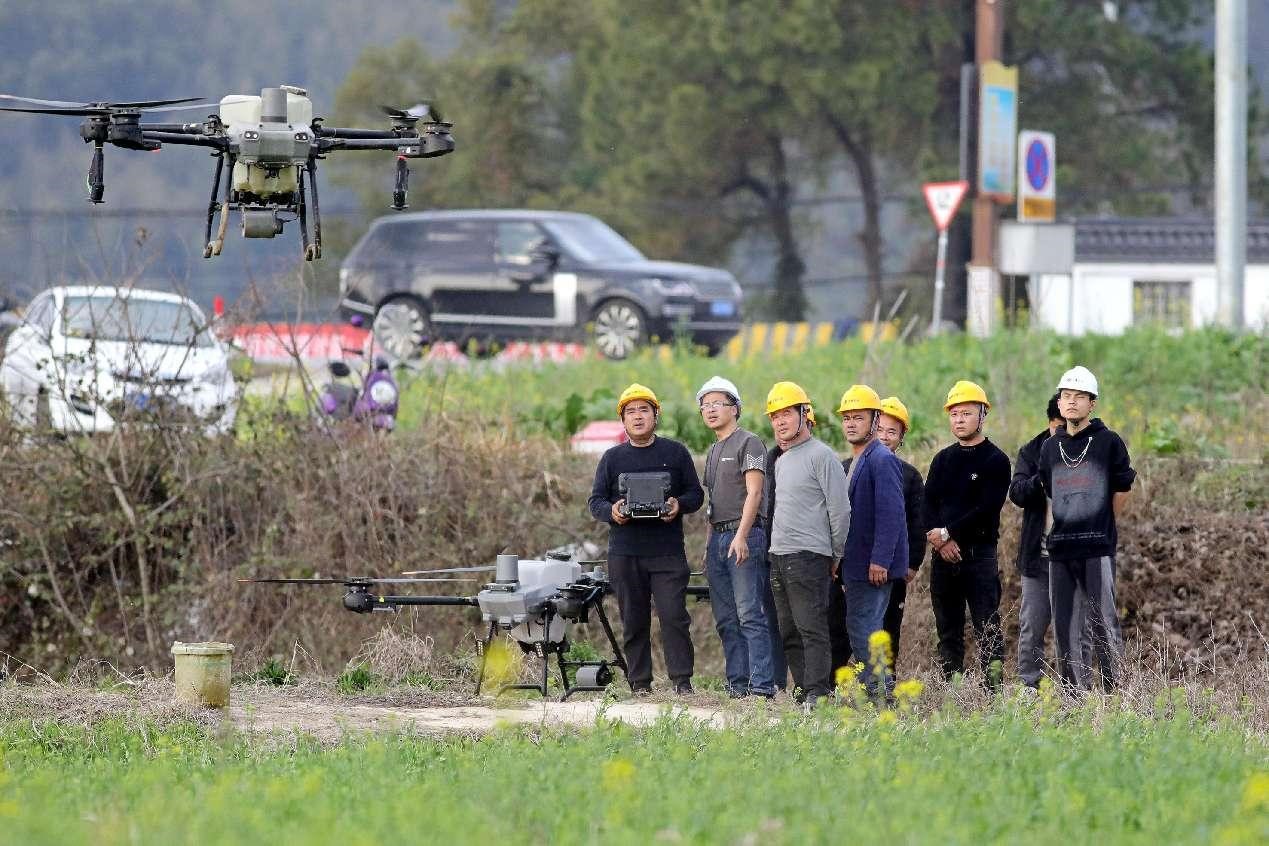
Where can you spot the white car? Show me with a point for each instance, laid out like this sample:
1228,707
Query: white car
88,358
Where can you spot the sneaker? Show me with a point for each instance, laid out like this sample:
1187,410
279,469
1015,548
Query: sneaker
683,688
641,690
736,693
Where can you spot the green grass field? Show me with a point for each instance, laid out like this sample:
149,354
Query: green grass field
1017,772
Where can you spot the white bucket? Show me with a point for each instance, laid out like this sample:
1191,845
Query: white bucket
202,673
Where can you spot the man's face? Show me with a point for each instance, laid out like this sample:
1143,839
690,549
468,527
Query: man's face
1075,405
640,418
784,423
890,431
965,418
717,410
857,426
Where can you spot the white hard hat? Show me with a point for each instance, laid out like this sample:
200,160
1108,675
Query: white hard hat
1079,378
718,383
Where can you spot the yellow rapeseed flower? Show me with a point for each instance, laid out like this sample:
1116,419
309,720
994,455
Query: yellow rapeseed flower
879,649
908,690
887,718
1256,793
845,676
617,774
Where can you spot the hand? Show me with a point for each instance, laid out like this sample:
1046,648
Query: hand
673,512
910,576
617,517
837,566
951,552
739,548
935,537
877,575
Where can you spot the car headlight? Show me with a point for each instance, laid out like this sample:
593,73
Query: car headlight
383,393
672,287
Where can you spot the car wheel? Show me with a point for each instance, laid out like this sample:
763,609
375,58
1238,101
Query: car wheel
402,328
620,329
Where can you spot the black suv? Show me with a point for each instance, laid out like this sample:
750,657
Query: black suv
510,275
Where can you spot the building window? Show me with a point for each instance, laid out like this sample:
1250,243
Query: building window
1164,304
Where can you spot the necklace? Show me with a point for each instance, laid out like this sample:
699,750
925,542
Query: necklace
1075,462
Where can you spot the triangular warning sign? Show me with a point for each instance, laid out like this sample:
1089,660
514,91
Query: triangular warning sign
943,199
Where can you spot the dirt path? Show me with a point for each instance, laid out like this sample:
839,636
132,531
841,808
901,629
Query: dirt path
328,720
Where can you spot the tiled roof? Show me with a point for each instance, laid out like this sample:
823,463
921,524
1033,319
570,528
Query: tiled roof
1182,240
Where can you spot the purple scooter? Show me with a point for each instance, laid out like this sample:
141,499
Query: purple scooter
373,403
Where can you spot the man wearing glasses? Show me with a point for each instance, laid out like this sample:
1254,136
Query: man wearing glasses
736,550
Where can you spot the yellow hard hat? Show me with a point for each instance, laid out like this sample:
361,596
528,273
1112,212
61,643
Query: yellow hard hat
785,394
965,391
896,409
637,392
859,398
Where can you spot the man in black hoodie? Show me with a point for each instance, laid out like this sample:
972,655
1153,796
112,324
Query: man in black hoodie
1027,492
1087,474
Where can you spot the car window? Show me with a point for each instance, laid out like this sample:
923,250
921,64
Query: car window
108,318
514,240
41,313
589,239
393,239
458,241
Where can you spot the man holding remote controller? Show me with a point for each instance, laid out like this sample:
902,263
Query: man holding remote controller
646,559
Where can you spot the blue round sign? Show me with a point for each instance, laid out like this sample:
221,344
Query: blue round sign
1038,166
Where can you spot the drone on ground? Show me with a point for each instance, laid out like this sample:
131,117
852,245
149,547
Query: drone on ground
534,601
269,142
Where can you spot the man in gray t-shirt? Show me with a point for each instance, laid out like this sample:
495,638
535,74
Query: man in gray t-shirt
808,536
735,554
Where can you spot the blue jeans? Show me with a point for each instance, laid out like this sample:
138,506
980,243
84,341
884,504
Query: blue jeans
736,594
866,613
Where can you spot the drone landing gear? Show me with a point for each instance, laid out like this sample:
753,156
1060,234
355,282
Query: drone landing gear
313,251
590,675
213,248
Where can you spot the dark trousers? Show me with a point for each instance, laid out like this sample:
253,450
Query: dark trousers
800,585
837,622
639,581
1082,594
779,667
972,583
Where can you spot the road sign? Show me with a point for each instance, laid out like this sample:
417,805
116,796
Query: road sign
943,199
997,130
1037,176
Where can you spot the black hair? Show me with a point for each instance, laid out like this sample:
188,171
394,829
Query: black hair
1053,412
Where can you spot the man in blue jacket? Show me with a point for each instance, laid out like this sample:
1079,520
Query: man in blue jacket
877,543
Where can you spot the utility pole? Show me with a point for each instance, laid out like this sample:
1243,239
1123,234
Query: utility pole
1231,160
982,280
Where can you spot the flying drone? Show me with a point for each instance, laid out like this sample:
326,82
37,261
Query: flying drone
270,143
534,601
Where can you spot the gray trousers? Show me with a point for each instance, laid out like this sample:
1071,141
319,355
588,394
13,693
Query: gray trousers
1082,592
1033,624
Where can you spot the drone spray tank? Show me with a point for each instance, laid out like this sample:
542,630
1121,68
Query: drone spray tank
272,138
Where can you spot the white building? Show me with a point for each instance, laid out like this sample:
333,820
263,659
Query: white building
1161,271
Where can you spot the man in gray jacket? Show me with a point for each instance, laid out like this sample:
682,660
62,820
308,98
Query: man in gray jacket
808,536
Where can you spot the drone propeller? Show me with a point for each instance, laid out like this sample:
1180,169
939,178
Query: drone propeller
61,107
351,581
420,111
482,568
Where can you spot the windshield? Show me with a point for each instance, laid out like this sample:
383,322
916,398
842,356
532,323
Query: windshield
590,240
134,319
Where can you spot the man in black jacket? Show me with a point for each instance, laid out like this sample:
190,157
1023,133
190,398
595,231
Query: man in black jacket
964,492
646,559
1027,492
1086,471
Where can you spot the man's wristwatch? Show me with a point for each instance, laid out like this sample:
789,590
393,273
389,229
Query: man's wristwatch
944,535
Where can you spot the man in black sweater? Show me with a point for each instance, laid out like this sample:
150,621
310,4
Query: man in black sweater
964,492
646,559
1087,474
